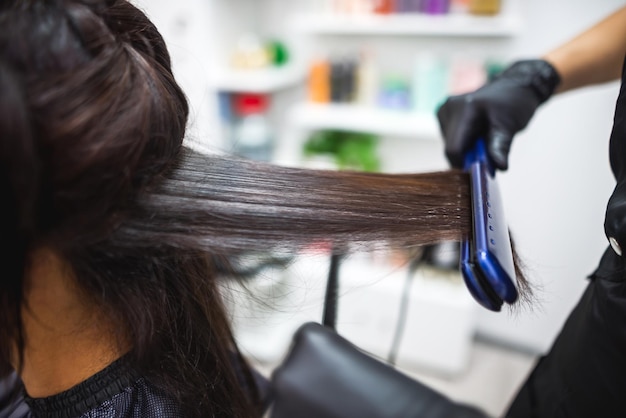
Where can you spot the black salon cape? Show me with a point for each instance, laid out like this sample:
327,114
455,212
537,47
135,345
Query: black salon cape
584,373
115,392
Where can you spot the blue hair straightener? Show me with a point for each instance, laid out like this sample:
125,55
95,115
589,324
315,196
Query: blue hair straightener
486,255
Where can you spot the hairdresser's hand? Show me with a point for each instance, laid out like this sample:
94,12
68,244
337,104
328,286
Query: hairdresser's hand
496,111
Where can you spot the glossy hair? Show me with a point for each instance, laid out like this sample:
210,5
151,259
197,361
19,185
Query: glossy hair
92,166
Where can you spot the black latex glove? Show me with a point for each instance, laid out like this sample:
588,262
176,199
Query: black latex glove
496,111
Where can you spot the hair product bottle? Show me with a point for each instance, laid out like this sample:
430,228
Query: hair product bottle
430,82
367,80
319,81
435,7
384,6
484,7
408,6
252,133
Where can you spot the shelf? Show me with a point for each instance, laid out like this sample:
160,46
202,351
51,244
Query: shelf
258,81
364,119
409,24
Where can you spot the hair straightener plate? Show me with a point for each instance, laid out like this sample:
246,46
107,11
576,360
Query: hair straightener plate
486,255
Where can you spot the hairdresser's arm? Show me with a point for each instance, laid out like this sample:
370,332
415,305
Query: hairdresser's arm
500,109
593,57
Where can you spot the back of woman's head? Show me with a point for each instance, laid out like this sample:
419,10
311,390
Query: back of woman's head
89,109
89,115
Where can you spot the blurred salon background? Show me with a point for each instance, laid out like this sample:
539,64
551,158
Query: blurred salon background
354,84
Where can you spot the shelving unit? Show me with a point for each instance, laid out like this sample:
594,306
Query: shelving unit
408,24
307,116
269,80
324,28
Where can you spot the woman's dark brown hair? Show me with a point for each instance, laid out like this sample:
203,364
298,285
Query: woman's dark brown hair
92,166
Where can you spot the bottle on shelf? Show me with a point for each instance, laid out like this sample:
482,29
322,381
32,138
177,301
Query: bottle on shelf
408,6
345,6
395,93
484,7
467,73
384,7
428,7
278,53
459,6
319,81
367,80
250,53
343,79
435,7
346,79
252,133
358,80
430,83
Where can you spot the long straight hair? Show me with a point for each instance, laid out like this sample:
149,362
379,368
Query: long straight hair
93,167
224,204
